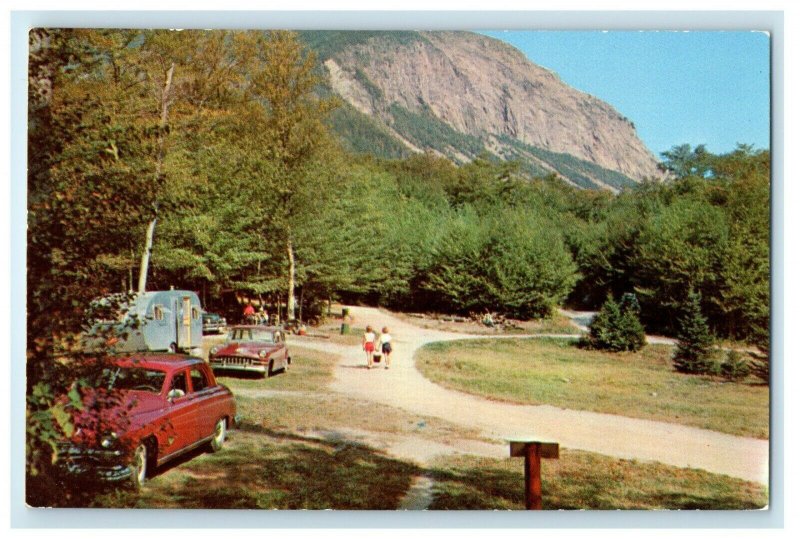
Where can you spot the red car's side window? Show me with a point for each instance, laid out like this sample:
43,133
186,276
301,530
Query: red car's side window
178,387
199,379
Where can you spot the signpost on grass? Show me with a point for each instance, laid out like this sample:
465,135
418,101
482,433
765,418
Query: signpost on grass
533,451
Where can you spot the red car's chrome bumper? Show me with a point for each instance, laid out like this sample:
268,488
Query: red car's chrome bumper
237,363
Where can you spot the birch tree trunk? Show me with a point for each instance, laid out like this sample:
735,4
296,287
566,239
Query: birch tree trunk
148,244
290,301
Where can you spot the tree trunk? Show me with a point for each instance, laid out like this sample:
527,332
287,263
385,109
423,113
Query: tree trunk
300,309
290,302
130,273
148,244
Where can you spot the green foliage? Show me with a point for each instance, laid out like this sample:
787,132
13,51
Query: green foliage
360,134
327,44
427,131
679,247
683,162
370,86
582,173
734,367
759,365
617,327
507,261
694,348
711,234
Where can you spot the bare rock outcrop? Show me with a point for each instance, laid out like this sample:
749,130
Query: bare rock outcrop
484,88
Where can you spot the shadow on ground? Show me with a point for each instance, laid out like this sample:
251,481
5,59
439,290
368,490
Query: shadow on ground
264,469
581,480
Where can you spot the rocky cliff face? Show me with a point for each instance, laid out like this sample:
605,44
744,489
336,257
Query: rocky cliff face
458,93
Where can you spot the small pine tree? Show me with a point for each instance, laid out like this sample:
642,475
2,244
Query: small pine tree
734,367
601,328
617,327
630,328
631,331
630,302
693,352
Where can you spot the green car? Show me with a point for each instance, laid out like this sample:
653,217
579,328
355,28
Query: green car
213,323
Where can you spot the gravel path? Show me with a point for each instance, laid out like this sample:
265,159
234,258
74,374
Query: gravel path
404,387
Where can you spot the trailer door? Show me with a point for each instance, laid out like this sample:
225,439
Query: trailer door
185,333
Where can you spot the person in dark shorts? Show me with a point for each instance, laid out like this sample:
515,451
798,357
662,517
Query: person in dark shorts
386,346
368,343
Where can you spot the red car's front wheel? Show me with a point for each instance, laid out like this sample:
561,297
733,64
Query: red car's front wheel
138,467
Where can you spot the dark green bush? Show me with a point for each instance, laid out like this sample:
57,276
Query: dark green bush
759,366
734,367
617,327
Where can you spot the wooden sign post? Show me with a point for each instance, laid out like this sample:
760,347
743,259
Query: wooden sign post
534,452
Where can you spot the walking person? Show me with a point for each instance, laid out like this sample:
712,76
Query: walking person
368,343
386,346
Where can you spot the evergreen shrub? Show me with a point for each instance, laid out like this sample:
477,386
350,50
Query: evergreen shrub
694,349
617,327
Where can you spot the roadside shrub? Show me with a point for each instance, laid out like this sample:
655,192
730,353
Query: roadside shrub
734,367
759,366
617,327
693,351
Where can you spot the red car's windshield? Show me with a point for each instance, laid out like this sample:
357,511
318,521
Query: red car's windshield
131,378
252,334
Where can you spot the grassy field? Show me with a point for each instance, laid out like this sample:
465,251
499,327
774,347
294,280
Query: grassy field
580,480
557,372
557,323
310,371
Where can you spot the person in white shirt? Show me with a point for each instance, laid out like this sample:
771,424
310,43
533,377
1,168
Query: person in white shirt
386,345
368,343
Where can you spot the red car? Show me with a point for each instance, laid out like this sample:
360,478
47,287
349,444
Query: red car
260,349
143,410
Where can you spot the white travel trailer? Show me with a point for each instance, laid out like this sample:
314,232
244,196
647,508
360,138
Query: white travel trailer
158,321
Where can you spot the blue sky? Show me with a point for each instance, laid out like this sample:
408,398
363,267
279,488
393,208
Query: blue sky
696,87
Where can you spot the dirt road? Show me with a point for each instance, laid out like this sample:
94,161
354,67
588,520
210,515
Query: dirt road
404,387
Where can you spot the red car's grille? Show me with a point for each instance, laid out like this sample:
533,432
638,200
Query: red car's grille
235,360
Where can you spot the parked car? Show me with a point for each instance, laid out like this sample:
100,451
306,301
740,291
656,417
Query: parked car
213,323
260,349
141,411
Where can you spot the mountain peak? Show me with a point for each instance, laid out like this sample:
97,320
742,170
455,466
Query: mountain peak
461,94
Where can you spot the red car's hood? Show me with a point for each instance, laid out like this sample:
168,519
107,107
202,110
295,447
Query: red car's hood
111,411
248,348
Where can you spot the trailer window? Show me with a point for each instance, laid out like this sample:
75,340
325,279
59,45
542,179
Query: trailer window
195,313
158,312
